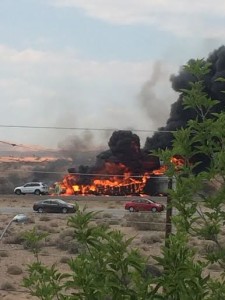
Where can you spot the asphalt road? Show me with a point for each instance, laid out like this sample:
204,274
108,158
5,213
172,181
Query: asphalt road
19,210
116,212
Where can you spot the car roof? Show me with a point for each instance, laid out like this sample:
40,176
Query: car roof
50,199
141,198
55,199
34,182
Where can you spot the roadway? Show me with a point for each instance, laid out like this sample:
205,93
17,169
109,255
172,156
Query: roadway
17,204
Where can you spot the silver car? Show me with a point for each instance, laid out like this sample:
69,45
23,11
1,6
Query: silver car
36,188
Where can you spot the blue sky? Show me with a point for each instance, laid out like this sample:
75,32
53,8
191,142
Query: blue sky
88,63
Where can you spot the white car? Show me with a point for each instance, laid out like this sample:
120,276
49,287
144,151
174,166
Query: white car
37,188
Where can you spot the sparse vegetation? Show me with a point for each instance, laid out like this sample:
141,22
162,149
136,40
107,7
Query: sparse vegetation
215,267
46,228
44,218
66,232
6,186
62,244
54,224
34,240
43,227
151,239
145,221
14,270
65,259
4,253
101,250
106,215
114,222
14,238
7,286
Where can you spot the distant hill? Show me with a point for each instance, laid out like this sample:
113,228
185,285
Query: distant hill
34,153
80,158
18,167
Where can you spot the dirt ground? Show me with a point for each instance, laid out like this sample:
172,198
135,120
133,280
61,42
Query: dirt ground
14,258
149,232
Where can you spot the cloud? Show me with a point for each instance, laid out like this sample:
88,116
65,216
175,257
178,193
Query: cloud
12,55
67,63
202,18
46,88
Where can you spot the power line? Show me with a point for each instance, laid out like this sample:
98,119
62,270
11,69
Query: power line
81,128
159,177
7,143
71,128
19,145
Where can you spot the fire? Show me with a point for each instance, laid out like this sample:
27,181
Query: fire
121,185
107,183
160,171
178,161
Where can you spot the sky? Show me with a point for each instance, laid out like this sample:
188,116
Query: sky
95,66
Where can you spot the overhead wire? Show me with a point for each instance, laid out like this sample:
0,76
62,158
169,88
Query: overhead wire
18,145
160,177
70,128
81,128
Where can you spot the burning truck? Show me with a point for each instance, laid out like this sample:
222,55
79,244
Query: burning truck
124,169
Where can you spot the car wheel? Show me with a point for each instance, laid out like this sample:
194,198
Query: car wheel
64,210
154,209
37,192
40,210
131,209
18,192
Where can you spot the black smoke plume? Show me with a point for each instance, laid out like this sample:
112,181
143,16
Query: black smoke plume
124,155
178,116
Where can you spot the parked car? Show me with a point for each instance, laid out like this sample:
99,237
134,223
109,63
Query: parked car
143,204
37,188
54,206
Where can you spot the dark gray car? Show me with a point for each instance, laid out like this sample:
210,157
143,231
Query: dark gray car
54,206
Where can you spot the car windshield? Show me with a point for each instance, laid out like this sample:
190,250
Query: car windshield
150,201
59,201
143,200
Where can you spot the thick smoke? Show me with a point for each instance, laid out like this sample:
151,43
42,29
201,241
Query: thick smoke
154,93
71,145
178,116
124,155
126,147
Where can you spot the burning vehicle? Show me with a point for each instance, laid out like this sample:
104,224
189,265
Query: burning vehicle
124,169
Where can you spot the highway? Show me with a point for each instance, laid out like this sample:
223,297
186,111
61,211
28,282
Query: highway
113,205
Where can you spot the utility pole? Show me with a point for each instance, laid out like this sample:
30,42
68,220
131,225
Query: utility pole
168,214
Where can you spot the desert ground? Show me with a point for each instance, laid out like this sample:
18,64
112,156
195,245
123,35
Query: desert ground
147,228
58,247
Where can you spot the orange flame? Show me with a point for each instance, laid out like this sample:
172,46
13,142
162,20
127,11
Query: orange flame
178,161
122,184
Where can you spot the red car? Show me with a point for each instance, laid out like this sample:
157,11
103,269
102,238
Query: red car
144,205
